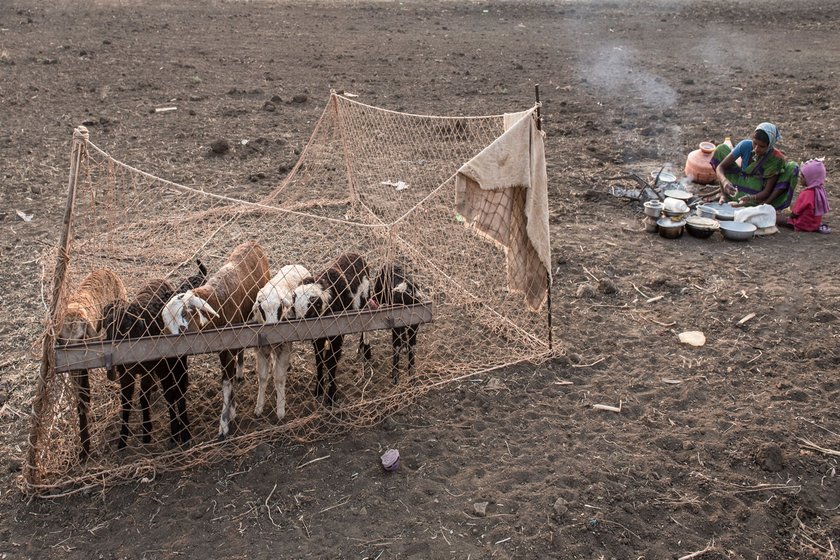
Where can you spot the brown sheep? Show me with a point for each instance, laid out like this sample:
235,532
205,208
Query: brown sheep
82,320
227,298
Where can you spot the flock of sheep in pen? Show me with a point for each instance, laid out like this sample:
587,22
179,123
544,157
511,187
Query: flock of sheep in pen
239,291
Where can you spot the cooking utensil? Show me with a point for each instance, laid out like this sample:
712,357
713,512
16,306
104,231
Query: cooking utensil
737,231
653,208
725,212
702,228
670,229
679,194
706,211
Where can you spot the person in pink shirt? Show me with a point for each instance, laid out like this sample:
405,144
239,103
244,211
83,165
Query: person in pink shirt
811,203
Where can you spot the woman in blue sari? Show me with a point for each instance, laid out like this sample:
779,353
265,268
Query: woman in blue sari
763,176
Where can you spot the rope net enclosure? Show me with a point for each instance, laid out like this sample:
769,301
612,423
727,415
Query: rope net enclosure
188,326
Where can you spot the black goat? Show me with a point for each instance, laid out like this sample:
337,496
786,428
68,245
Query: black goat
343,286
394,287
142,317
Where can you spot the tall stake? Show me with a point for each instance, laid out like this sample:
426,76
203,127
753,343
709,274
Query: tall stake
547,272
80,138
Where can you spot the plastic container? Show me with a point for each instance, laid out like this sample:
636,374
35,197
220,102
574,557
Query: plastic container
698,165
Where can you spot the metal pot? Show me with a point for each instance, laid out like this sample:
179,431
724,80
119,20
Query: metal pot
653,208
670,229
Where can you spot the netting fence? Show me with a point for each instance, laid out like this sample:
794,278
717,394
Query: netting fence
138,334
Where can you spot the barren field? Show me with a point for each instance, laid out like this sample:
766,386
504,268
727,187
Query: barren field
729,450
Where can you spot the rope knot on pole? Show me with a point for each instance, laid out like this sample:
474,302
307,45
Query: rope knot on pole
81,134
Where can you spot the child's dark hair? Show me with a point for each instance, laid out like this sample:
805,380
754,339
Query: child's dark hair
762,136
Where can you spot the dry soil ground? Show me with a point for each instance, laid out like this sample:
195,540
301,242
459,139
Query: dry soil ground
715,462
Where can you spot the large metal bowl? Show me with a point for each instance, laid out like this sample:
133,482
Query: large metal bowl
702,228
737,231
725,212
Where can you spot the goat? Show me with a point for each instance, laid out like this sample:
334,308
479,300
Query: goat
273,304
81,321
227,298
142,317
393,286
343,286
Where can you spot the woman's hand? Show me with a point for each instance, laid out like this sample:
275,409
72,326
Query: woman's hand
729,188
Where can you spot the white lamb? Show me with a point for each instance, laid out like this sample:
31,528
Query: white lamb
272,306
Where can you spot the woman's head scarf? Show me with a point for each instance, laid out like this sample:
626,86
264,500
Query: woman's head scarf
772,133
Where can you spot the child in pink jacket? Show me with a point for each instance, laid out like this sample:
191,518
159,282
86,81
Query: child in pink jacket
811,203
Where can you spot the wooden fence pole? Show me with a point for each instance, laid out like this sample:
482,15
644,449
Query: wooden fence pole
30,473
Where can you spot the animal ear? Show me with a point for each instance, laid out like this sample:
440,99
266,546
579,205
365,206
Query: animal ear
90,331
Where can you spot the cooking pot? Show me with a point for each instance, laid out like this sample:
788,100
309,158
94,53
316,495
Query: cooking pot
737,231
670,229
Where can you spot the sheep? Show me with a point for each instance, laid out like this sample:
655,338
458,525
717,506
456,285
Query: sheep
142,317
273,303
343,286
393,286
227,298
81,321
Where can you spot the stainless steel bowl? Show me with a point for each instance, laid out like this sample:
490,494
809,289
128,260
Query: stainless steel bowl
737,231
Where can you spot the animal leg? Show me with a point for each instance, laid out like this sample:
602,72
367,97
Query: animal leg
228,359
181,386
333,356
320,358
264,357
82,381
240,365
172,394
147,381
126,377
364,348
396,343
282,358
411,343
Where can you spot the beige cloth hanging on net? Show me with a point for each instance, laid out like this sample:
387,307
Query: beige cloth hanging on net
502,193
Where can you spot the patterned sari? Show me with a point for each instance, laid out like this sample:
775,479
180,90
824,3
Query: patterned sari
750,181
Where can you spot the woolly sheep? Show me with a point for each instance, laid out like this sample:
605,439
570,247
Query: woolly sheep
81,321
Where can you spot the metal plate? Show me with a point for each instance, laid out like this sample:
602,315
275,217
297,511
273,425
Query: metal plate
679,194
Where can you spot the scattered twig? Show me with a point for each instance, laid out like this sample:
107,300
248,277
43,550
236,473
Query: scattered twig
592,275
268,507
340,503
760,353
656,298
661,324
746,318
608,407
313,461
813,446
711,547
598,361
641,292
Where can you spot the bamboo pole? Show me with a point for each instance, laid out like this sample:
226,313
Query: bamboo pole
30,473
547,272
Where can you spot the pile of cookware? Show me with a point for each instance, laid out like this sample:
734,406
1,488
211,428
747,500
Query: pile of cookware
681,212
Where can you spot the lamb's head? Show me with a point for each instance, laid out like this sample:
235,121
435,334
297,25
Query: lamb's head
308,300
266,307
182,309
76,326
